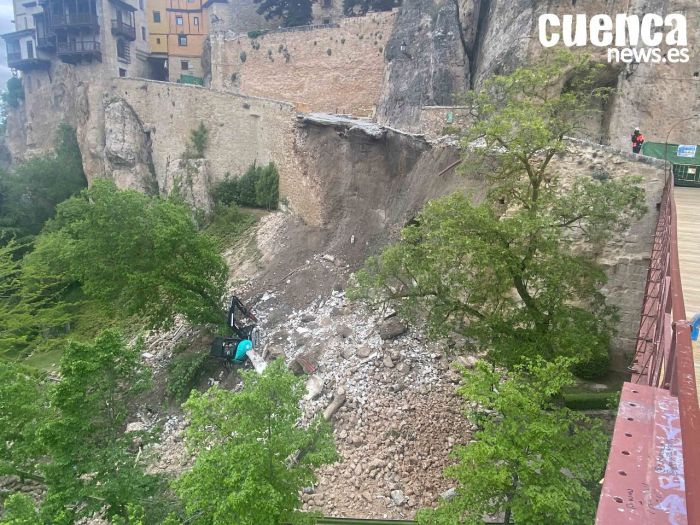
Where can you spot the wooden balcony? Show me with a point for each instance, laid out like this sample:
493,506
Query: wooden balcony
72,52
74,21
123,29
15,61
47,43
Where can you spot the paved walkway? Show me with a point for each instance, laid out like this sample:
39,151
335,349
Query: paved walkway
688,210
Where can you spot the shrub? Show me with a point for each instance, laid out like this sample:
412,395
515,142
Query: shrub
267,187
198,142
183,373
593,368
590,400
243,56
257,187
14,93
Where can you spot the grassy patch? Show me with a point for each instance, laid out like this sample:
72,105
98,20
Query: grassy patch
591,400
45,360
229,223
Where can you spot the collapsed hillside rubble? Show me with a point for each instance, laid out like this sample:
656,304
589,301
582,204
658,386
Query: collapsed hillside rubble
395,413
400,418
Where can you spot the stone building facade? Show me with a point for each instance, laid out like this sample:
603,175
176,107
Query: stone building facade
337,68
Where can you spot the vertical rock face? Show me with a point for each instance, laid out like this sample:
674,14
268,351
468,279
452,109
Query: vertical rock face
660,98
502,36
191,179
127,153
426,62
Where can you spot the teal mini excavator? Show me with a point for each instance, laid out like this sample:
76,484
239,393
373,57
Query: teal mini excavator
239,347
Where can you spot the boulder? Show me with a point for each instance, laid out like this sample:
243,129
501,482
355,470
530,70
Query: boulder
391,328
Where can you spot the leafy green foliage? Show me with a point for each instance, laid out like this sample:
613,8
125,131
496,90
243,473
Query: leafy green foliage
198,142
14,93
257,187
183,372
23,409
596,366
142,255
30,193
30,305
516,274
292,12
267,187
531,460
90,463
590,400
252,457
19,510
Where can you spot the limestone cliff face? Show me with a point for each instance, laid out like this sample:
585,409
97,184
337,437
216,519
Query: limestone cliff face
127,152
497,36
191,179
426,62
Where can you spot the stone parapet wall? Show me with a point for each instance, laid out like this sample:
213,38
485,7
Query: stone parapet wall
436,121
338,68
242,130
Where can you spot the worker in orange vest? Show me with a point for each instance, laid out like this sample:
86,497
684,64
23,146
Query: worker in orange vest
637,141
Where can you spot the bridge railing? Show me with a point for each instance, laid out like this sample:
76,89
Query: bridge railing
664,353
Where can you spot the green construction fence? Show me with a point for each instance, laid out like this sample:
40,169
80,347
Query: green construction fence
683,158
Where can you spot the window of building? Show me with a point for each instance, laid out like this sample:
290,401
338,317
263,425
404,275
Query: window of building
196,21
178,20
185,65
326,21
182,40
141,5
143,33
157,40
156,16
122,72
123,52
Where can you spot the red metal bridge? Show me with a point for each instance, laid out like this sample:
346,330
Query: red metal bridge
653,471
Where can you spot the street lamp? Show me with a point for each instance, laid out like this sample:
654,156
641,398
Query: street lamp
668,135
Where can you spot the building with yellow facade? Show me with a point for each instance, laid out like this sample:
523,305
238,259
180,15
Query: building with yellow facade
176,33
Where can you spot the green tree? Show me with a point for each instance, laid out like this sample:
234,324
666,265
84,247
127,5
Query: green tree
30,193
90,463
30,302
252,456
531,461
23,409
267,187
141,255
19,510
516,274
292,12
198,142
14,92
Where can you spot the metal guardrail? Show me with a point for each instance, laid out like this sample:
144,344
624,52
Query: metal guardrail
664,353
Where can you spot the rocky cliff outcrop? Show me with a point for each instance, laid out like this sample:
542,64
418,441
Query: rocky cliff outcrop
191,180
127,151
496,36
426,62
